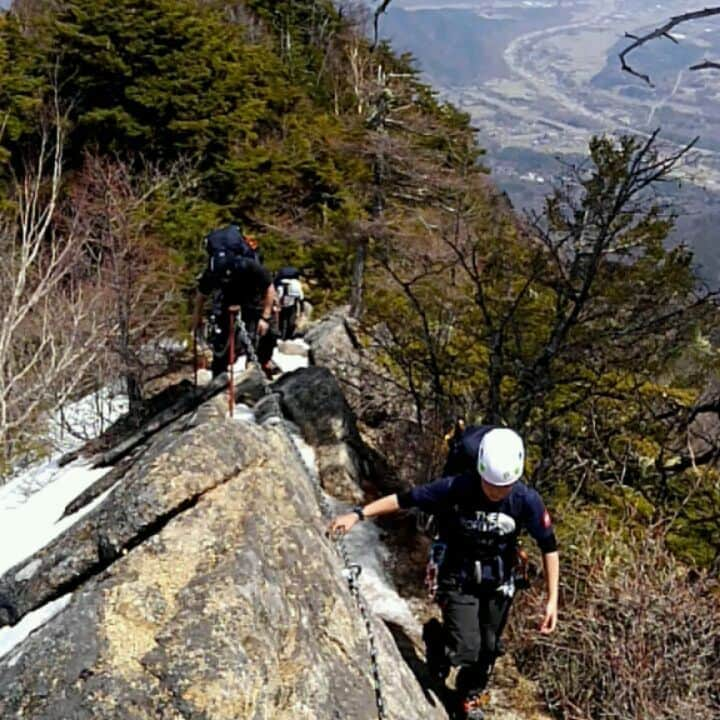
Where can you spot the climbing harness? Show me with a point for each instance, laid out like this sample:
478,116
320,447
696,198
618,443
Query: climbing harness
351,571
432,570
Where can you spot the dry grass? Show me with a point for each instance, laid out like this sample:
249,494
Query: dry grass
638,638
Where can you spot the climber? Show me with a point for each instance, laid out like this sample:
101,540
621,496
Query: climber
480,513
234,277
290,298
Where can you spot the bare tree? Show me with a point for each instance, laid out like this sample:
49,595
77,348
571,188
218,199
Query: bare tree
560,326
665,32
53,327
121,209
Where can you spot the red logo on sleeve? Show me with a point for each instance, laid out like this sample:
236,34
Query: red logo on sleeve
546,521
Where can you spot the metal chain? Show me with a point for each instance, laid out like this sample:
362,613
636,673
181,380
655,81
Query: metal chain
351,571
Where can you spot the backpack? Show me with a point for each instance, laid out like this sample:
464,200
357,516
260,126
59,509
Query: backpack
227,251
286,273
463,446
288,286
463,443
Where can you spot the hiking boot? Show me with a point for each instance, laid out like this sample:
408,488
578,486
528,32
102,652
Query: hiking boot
438,664
474,704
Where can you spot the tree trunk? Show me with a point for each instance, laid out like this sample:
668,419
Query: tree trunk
358,275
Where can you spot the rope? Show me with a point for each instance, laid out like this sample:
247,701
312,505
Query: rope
351,571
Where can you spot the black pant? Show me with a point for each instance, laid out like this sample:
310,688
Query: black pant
264,345
288,321
473,622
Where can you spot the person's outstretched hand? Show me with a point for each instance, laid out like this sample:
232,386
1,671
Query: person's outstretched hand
549,622
342,524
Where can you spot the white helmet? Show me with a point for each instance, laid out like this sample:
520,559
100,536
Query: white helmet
501,457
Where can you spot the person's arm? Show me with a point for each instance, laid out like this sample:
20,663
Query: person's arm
344,523
268,302
539,524
551,569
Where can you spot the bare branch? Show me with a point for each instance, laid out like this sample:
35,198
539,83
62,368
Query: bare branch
382,8
706,65
54,321
664,31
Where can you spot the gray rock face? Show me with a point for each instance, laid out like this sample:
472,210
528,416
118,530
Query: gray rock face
334,345
312,399
385,413
204,588
192,456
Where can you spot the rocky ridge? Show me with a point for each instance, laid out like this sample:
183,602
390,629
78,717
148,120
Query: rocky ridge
203,586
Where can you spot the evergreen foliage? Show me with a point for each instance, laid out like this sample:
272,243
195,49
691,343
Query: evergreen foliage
21,89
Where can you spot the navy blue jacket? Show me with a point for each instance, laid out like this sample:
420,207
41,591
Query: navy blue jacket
246,287
474,527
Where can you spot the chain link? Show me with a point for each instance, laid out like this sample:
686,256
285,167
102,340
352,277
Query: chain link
351,571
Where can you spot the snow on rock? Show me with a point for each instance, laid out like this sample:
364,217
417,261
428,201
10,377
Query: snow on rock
244,413
307,451
34,499
290,355
29,522
69,429
367,550
11,637
204,376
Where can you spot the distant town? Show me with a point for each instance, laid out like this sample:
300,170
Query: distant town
539,78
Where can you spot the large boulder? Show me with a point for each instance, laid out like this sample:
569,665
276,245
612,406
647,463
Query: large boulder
202,587
385,412
312,399
191,456
334,345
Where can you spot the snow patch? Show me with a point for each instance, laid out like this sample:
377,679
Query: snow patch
28,571
33,501
69,429
307,452
86,418
11,637
291,355
244,413
367,550
29,523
